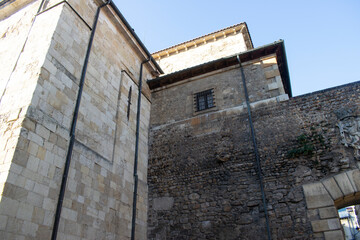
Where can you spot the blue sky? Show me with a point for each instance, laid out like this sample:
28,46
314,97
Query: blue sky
322,37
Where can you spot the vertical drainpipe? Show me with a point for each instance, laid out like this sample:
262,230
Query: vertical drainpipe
73,127
255,148
133,222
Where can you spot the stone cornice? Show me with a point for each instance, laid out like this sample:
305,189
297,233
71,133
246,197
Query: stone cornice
223,33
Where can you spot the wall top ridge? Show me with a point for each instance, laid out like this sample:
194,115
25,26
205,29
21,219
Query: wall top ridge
234,30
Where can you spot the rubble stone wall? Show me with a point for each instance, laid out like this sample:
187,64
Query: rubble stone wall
203,180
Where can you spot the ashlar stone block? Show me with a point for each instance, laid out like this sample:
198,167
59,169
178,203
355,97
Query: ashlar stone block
3,221
344,184
354,178
8,206
29,228
25,211
316,196
332,187
272,73
334,235
326,225
329,212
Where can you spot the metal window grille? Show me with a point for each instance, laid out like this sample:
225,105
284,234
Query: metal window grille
204,100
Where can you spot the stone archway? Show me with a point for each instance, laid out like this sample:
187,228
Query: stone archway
323,198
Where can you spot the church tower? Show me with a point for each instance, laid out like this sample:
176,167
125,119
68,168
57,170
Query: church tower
74,114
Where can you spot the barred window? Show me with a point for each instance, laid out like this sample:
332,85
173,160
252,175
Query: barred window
204,100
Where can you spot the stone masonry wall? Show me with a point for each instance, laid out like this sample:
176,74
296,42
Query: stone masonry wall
13,33
22,187
206,52
264,83
99,192
203,180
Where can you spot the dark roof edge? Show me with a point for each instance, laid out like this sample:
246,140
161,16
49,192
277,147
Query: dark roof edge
2,3
248,32
285,69
277,47
131,30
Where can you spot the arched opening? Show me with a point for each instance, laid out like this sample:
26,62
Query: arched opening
325,198
349,220
349,214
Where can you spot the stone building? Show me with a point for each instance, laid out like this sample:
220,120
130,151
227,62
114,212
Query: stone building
205,136
234,156
49,64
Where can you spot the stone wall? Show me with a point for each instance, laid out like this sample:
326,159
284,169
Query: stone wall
263,80
24,197
204,49
13,34
36,113
203,180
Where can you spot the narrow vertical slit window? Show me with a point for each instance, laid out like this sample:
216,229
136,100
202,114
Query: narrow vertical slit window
204,100
129,103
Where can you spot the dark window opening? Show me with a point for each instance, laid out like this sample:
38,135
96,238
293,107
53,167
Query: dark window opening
204,100
129,103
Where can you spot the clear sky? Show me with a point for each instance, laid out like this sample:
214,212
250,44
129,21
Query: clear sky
322,37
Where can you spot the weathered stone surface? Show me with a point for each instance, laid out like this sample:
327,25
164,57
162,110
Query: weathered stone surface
325,225
334,235
198,51
329,212
206,225
344,184
163,203
203,175
317,196
194,196
333,188
39,87
228,94
354,177
300,191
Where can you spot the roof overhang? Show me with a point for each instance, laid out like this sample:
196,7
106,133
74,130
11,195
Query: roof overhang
277,48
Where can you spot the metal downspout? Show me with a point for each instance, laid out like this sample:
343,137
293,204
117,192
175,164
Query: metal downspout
73,127
255,148
133,222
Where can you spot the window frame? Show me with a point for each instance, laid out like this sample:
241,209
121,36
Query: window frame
204,100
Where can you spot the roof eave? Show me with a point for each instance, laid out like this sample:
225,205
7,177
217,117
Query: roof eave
276,47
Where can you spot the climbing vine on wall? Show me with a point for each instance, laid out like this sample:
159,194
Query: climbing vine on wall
307,144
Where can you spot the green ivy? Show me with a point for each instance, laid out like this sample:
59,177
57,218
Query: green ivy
306,144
